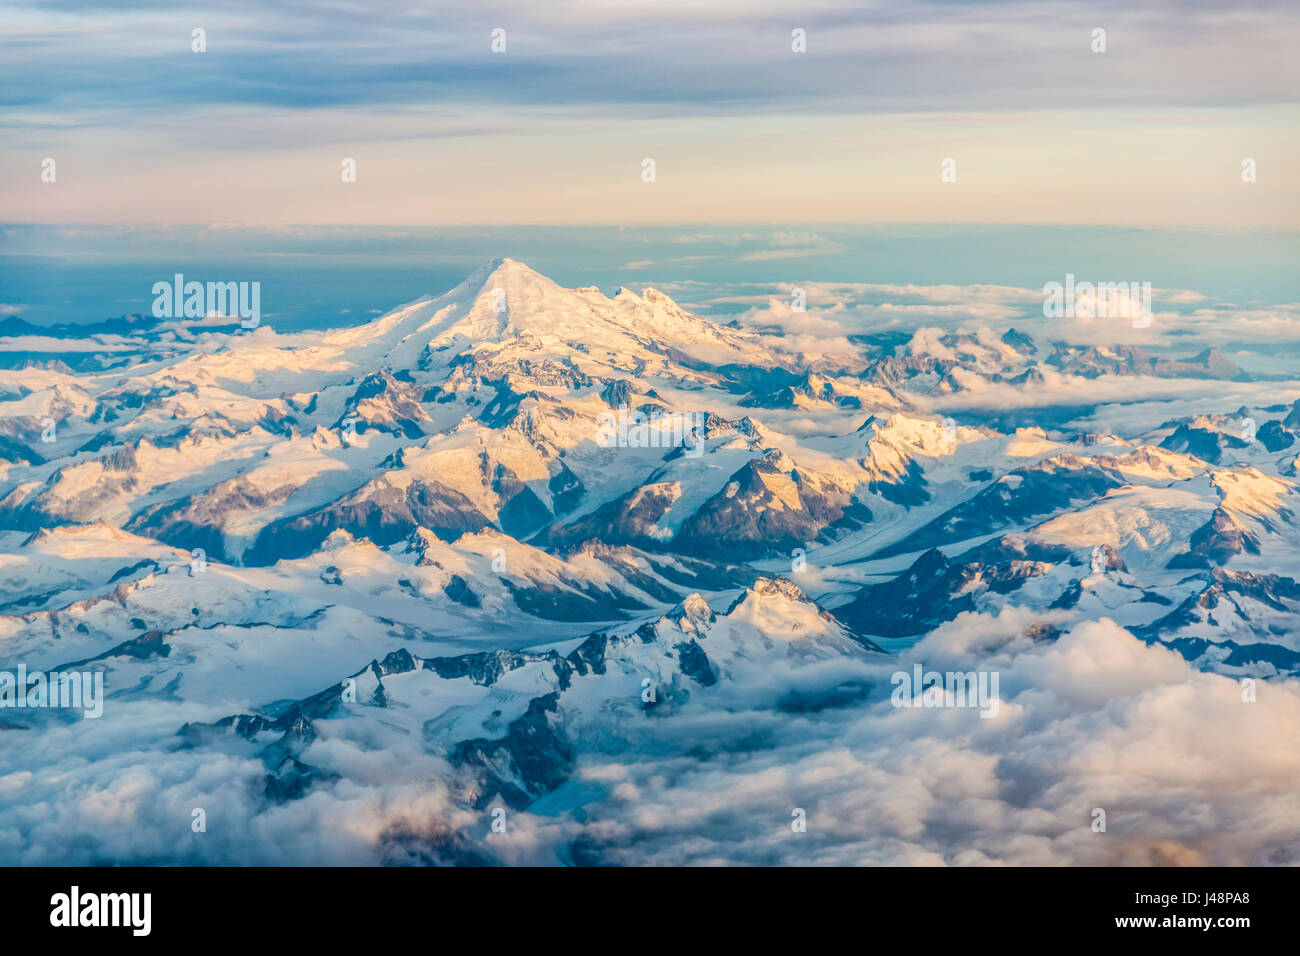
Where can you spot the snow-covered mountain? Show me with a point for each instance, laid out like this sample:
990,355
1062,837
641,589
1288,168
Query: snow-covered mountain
512,545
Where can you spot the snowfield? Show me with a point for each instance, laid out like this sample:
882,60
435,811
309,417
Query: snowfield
353,591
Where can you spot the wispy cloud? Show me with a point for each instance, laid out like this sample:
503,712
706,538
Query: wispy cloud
554,127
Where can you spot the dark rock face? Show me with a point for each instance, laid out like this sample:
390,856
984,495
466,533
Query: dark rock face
1040,631
578,601
695,663
1045,488
533,758
589,656
913,603
1215,542
813,387
1292,419
1204,443
1108,559
627,520
747,520
1275,436
617,394
523,512
1020,341
484,668
15,452
388,403
196,521
1253,657
908,490
149,645
291,779
459,591
140,567
380,512
934,589
1220,595
567,491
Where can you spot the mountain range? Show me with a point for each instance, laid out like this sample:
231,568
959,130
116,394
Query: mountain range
407,553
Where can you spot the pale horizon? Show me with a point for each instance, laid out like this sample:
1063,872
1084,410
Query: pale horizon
554,129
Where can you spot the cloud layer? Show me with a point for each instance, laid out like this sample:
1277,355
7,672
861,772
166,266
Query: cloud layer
554,127
1186,771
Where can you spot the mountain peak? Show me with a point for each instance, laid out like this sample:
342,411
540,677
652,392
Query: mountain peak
500,273
505,266
505,304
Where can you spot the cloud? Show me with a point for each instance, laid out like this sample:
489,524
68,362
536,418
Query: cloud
791,245
319,54
865,308
1095,720
751,131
